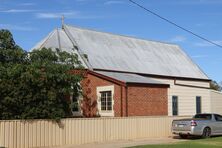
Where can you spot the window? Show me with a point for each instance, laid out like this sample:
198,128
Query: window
175,105
203,116
106,100
75,103
218,117
198,104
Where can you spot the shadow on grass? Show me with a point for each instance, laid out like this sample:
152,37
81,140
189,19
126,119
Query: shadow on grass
194,137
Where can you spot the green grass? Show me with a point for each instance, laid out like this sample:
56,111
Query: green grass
193,143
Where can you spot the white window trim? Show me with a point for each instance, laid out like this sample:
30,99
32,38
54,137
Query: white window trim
105,88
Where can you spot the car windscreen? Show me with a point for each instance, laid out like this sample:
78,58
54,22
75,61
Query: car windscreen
203,116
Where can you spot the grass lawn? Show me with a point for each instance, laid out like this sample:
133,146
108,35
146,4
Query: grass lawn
197,143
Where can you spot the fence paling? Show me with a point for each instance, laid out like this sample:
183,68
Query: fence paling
45,133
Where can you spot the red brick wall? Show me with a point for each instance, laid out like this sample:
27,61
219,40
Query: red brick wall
89,85
142,100
147,100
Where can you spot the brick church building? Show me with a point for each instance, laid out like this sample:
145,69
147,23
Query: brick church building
127,76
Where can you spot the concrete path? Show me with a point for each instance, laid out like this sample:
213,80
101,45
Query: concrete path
126,143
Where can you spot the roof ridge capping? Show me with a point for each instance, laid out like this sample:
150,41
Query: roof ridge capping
128,36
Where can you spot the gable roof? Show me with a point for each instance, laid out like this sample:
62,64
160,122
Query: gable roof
58,39
106,51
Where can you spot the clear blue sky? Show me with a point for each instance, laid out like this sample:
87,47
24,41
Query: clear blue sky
31,20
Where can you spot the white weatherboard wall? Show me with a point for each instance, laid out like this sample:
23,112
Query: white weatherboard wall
216,101
187,96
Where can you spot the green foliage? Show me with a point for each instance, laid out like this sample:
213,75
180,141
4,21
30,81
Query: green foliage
9,51
214,85
35,85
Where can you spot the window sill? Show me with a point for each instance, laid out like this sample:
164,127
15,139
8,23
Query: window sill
107,113
77,113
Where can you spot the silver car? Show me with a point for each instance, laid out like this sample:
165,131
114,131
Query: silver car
205,125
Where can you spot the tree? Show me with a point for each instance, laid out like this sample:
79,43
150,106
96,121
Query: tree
215,86
35,85
9,51
11,59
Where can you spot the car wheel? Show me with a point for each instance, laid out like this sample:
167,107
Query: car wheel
206,132
182,136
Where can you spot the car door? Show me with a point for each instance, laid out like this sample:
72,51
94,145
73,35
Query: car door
218,124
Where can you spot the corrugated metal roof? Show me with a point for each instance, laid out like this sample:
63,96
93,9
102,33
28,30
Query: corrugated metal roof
129,78
58,39
120,53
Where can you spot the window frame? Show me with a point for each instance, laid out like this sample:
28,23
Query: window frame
106,100
78,101
198,105
175,112
106,113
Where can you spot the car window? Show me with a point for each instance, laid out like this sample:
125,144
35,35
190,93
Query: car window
218,117
203,116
